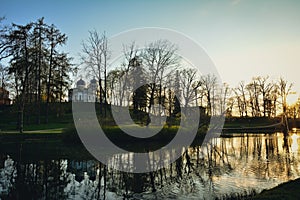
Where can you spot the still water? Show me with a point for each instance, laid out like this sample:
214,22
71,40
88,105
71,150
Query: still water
229,165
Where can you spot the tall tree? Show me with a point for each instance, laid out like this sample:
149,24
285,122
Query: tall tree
20,65
284,90
254,93
189,85
208,84
38,40
265,89
94,57
55,39
241,99
61,75
113,77
131,54
177,93
223,97
274,98
5,43
36,67
138,78
159,59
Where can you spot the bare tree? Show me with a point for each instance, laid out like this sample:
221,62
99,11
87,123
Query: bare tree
230,104
274,98
106,56
223,97
94,57
5,42
131,54
189,85
241,99
159,58
265,89
284,90
254,92
209,83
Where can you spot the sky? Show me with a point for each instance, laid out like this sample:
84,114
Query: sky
244,38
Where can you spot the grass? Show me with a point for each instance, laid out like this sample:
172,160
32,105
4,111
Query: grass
248,122
286,191
48,131
42,131
56,124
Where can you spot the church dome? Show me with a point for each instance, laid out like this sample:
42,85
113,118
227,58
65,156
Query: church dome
93,81
80,83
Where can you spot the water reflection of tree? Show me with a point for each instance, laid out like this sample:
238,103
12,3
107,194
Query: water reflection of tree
47,179
268,158
37,180
264,157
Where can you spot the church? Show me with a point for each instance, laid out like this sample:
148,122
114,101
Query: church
84,92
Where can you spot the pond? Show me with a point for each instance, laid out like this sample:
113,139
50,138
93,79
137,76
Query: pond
227,166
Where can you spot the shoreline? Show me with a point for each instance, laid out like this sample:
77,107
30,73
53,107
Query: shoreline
286,190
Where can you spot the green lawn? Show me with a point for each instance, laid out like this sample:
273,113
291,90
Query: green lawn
42,131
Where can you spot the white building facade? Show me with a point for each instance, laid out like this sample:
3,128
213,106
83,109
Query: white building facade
83,92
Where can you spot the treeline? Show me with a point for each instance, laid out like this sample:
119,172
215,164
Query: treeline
148,76
262,97
166,79
38,71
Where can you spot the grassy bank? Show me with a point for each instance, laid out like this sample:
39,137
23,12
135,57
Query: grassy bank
117,136
60,117
286,191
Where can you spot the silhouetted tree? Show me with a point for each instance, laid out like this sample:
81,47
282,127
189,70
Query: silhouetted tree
265,89
208,83
138,79
159,58
20,65
5,43
284,90
94,57
37,67
241,99
189,84
55,39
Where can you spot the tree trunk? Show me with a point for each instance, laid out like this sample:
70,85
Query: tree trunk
49,82
39,80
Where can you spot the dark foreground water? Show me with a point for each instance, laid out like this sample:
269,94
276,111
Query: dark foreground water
233,165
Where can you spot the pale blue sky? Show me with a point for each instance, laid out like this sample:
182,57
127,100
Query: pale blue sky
245,38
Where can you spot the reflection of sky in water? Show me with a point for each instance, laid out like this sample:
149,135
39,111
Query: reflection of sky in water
259,162
294,145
